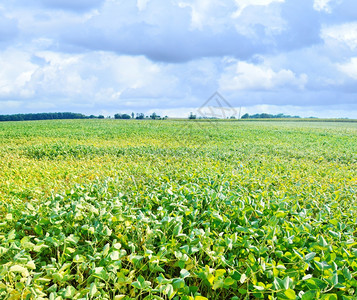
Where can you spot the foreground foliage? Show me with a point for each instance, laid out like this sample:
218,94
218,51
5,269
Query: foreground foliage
178,210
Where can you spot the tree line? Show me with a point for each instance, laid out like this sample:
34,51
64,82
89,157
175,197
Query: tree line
269,116
139,116
47,116
70,115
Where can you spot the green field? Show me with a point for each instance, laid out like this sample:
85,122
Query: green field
115,209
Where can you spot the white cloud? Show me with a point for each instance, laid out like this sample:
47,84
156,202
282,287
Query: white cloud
344,34
242,4
15,74
246,76
349,68
322,5
213,14
141,4
52,80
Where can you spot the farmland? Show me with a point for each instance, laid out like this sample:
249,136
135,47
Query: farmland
115,209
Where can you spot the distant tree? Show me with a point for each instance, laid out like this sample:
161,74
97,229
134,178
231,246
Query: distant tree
100,117
125,116
132,115
265,116
122,116
154,116
245,116
233,117
192,116
140,116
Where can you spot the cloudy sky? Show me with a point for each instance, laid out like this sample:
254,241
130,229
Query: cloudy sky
170,56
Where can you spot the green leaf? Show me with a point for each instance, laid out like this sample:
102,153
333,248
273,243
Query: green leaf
309,295
259,288
306,277
107,231
286,283
52,288
310,256
141,279
229,281
137,284
335,279
162,280
322,265
17,268
185,248
242,291
79,259
177,229
38,229
329,297
184,273
155,268
135,259
178,284
101,273
322,241
169,291
72,239
141,283
70,292
92,290
114,255
218,284
347,273
57,276
181,264
220,272
290,294
106,250
316,284
11,235
117,246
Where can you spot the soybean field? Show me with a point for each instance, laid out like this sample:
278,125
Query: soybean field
174,209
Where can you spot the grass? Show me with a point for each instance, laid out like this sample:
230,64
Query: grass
113,209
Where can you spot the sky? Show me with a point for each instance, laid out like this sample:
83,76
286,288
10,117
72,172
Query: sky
295,57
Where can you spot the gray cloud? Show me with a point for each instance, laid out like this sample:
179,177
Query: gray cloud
159,45
177,41
302,25
70,5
